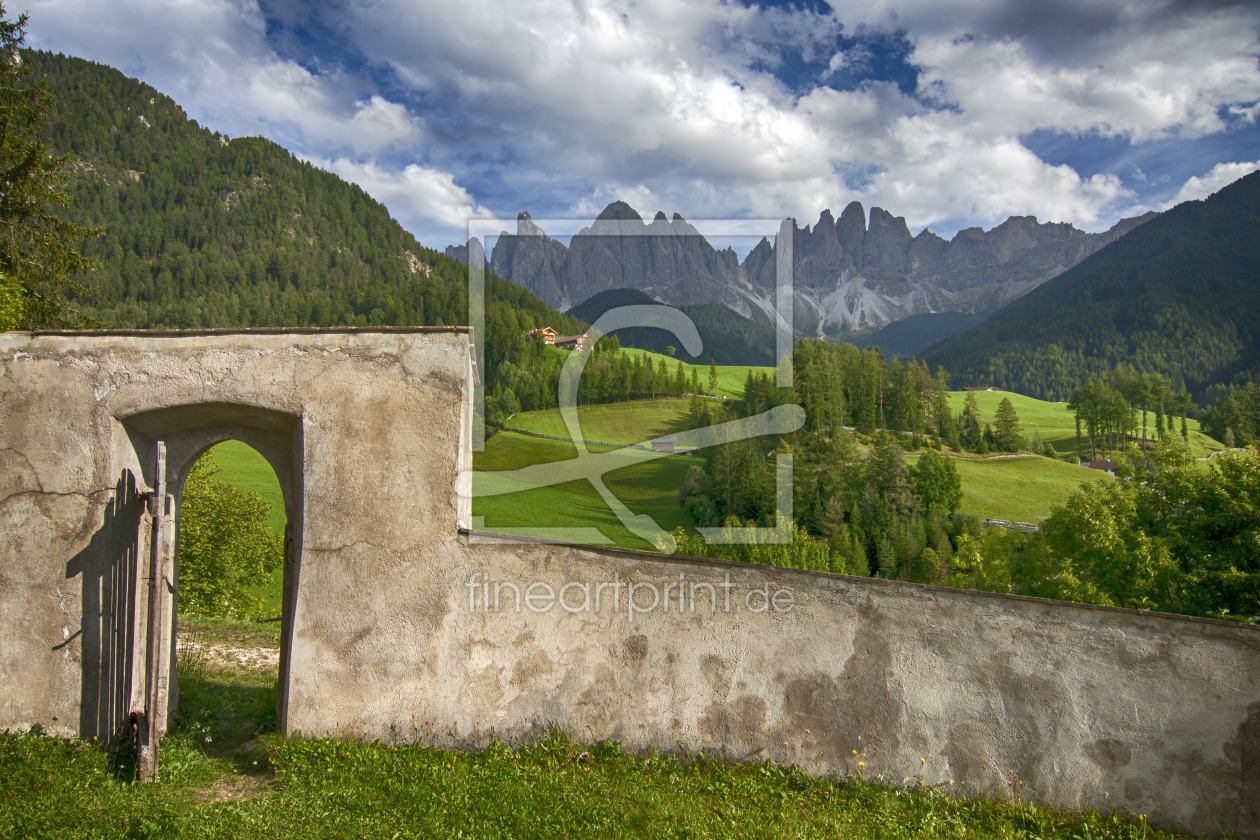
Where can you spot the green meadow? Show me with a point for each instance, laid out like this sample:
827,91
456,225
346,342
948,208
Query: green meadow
1025,488
249,471
649,488
1057,425
635,421
731,378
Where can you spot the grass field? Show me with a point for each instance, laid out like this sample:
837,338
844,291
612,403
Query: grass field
226,773
1023,489
649,488
1058,425
1019,489
246,470
730,377
635,421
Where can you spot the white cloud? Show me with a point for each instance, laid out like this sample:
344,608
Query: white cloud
418,196
670,106
1221,175
1141,83
633,99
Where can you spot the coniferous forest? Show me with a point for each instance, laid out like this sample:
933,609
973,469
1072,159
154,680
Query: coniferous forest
203,231
1177,296
1171,534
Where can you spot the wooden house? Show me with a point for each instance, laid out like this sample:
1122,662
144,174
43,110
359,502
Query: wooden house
572,342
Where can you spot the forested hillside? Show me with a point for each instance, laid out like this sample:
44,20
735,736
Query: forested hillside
1178,296
909,337
729,338
202,231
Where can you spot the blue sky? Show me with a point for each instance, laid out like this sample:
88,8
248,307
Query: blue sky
951,113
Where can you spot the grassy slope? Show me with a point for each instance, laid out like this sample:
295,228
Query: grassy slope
635,421
1058,425
730,377
1023,489
650,488
1019,489
246,470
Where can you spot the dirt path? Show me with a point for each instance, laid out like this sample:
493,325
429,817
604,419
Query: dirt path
226,654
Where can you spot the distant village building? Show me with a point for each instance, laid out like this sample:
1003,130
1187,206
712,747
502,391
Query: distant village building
980,388
1108,467
544,334
664,444
572,342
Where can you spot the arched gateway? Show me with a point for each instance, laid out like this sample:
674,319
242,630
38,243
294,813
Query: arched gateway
401,623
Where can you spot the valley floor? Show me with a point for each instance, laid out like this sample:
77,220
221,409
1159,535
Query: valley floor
1021,488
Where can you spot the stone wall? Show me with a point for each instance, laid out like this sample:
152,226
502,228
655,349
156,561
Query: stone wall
392,630
349,420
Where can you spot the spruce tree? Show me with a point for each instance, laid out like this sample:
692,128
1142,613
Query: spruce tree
1007,432
36,258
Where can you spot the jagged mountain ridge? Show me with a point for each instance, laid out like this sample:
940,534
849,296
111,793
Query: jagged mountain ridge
849,275
1178,297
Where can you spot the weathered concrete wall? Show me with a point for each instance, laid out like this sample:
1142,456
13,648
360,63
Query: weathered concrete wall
1083,707
391,637
347,420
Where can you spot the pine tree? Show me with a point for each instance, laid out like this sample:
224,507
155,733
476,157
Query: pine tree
1007,432
35,254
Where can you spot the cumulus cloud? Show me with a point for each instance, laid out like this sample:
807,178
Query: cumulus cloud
710,108
684,104
418,196
1221,175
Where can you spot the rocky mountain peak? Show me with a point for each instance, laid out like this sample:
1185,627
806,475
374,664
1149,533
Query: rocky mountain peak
525,225
826,223
851,229
849,274
619,211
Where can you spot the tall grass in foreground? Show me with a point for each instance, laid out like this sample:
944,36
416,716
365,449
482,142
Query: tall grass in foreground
326,788
559,788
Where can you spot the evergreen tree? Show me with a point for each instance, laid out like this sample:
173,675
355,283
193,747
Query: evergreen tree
937,483
1007,432
36,257
970,434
